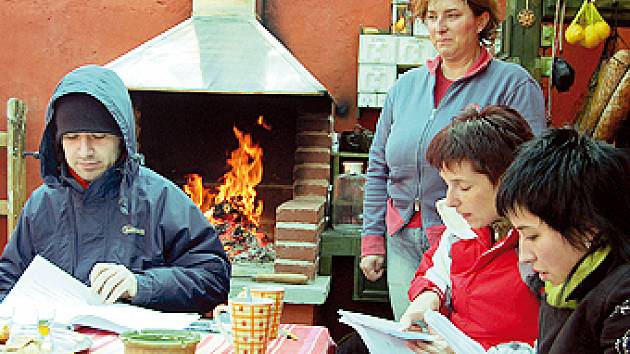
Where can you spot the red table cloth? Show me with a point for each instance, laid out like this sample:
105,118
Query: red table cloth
310,340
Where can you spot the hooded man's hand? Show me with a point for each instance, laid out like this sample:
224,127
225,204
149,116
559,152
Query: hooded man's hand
113,281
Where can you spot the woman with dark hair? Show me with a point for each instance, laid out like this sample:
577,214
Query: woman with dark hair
401,187
472,273
569,197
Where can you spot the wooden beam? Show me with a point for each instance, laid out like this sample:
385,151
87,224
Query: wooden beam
3,207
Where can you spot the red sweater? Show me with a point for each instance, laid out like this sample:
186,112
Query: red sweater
490,301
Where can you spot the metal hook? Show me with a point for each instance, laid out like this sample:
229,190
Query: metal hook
34,154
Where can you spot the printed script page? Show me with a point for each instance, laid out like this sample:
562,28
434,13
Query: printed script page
44,285
381,335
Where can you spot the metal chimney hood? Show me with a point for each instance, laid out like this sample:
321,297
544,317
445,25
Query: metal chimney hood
222,48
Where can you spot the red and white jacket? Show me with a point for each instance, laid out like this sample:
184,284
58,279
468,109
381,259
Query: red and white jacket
479,284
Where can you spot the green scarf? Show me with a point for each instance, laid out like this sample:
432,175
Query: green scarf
557,294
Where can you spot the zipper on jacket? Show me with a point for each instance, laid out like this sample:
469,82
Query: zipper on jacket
420,170
73,222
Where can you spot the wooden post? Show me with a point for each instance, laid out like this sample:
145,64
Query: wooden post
523,42
16,164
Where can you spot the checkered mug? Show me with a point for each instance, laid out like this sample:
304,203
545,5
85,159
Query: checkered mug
275,293
251,320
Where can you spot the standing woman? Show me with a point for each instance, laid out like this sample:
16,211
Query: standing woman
569,196
402,188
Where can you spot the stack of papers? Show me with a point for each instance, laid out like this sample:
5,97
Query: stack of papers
381,335
43,284
385,336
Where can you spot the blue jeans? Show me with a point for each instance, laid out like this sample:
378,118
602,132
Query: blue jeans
404,252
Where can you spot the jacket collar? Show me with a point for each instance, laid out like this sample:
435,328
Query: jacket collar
85,184
457,225
480,64
105,184
454,222
584,276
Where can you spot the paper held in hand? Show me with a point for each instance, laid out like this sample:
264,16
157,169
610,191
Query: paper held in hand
381,335
385,336
45,284
463,344
457,340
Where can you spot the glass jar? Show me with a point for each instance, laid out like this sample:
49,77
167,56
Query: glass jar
347,202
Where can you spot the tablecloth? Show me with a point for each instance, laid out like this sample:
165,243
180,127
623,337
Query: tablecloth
310,340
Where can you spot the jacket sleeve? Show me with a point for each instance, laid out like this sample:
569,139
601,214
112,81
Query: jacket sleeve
196,276
615,333
17,255
434,271
375,197
527,98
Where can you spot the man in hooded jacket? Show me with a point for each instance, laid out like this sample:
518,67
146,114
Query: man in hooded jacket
110,222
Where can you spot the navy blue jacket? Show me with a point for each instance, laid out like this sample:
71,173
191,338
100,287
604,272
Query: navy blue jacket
130,215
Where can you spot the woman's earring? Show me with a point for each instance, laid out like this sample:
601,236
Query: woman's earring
587,244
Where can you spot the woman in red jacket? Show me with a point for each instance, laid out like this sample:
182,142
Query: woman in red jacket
471,273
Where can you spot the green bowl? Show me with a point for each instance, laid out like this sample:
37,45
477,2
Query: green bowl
160,339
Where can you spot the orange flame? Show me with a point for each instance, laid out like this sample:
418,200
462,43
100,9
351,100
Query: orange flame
245,174
239,183
262,123
195,190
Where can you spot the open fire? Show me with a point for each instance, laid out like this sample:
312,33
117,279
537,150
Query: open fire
232,207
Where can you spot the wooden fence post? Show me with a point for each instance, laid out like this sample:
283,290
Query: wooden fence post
15,139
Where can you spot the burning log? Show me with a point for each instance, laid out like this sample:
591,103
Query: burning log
242,244
232,209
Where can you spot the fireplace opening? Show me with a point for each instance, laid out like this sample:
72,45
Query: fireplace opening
194,134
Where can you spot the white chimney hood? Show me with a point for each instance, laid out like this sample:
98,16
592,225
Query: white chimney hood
222,48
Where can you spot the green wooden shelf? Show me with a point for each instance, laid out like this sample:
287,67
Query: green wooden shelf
338,157
363,155
346,241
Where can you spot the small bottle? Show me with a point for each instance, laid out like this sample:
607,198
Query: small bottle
401,17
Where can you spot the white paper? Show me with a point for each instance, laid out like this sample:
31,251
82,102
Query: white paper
376,341
43,284
381,335
458,340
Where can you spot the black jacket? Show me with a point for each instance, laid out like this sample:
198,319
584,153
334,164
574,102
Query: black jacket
597,321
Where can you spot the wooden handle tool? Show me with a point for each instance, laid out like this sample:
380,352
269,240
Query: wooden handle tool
287,278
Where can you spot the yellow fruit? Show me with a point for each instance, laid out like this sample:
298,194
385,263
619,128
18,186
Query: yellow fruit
602,29
399,26
591,37
574,33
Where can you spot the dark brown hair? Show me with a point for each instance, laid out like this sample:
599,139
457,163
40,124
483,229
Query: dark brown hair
487,138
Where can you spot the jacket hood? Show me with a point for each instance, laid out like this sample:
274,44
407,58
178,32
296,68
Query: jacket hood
104,85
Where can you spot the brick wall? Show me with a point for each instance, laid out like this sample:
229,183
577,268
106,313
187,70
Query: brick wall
301,220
